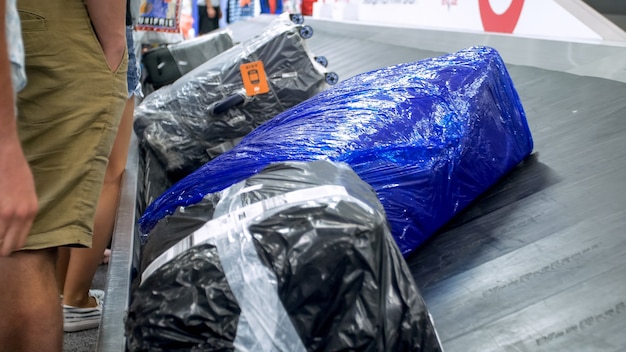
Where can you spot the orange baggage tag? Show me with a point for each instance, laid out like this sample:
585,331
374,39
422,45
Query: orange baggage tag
254,78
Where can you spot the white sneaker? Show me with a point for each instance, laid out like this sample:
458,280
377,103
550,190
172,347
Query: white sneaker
95,293
78,319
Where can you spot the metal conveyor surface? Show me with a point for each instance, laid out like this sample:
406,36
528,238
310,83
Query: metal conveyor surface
539,262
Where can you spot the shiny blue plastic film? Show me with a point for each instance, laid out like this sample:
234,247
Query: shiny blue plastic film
428,136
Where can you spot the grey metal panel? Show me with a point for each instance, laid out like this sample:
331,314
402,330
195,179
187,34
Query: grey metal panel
124,258
539,262
608,6
593,19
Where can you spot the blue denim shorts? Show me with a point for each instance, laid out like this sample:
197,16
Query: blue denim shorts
134,69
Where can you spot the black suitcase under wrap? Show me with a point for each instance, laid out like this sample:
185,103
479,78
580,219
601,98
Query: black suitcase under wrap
165,64
208,110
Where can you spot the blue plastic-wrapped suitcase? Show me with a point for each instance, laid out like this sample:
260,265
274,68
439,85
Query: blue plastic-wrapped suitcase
429,137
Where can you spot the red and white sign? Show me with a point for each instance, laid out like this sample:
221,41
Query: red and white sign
504,22
528,18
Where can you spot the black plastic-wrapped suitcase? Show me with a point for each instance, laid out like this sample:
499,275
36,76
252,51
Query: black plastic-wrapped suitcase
165,64
296,258
154,180
208,110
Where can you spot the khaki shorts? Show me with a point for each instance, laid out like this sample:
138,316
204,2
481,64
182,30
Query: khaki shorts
68,116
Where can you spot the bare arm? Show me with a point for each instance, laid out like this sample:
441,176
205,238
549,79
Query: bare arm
18,203
109,21
210,11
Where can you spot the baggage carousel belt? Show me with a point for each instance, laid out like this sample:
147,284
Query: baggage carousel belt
536,264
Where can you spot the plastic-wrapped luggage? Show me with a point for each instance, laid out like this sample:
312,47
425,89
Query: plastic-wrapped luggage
153,182
166,64
296,258
429,137
208,110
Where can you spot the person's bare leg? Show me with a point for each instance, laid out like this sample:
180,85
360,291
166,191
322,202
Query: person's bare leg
84,262
63,260
30,313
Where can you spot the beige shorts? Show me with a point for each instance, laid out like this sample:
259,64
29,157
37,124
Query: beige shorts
68,116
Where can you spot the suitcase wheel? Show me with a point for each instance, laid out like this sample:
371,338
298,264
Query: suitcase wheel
297,18
322,60
331,78
306,32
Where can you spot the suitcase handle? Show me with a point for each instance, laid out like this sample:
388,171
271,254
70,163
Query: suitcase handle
229,102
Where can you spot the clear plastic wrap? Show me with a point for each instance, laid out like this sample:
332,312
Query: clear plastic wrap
208,110
296,258
165,64
428,136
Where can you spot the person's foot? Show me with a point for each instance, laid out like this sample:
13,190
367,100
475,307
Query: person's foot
78,319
